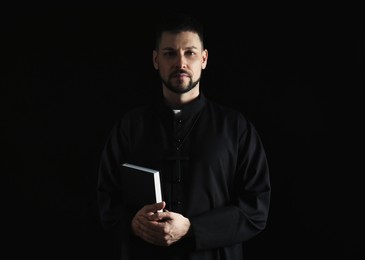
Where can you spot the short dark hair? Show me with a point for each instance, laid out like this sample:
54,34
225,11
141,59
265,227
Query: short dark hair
176,23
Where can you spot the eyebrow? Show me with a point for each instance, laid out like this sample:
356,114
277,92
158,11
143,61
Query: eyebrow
172,49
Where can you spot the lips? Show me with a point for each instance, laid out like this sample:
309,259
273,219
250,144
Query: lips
180,75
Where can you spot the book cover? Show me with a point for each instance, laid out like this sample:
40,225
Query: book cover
141,185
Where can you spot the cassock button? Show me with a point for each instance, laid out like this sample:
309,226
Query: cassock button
178,202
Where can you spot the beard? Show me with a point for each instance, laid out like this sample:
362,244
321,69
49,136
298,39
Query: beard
179,87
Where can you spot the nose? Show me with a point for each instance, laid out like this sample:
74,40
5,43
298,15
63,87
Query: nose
180,61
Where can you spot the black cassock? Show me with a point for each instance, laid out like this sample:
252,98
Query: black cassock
213,169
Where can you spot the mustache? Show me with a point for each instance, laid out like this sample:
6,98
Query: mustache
180,71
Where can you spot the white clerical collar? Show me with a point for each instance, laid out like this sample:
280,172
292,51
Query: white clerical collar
177,111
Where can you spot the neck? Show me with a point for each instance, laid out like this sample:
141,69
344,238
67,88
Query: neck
176,101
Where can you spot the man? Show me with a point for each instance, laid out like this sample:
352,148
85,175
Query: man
214,171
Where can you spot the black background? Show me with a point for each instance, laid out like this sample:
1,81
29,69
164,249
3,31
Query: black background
68,75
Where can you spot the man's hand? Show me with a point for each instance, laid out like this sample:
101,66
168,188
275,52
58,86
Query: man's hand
159,228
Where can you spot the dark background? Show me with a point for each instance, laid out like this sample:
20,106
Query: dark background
67,76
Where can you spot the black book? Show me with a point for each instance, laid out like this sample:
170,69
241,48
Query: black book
141,185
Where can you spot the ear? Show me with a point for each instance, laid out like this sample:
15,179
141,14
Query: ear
204,59
154,59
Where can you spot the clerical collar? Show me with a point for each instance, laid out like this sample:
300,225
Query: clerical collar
177,112
188,110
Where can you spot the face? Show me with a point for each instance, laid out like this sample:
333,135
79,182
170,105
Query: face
180,60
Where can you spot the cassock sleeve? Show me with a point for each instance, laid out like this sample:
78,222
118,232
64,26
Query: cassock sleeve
247,213
114,218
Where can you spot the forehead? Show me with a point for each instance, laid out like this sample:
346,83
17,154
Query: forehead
180,40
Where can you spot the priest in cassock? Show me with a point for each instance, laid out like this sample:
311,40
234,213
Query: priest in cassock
213,168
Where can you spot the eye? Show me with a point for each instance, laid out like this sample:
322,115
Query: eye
170,54
190,53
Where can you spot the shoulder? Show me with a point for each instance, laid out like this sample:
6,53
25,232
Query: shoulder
133,116
140,110
227,113
137,112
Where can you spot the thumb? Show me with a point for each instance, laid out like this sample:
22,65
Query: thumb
161,205
152,208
